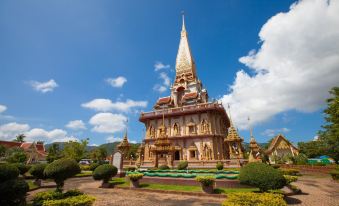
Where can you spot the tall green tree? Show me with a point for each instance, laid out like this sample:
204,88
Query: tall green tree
20,138
75,150
2,151
16,155
54,153
98,154
330,133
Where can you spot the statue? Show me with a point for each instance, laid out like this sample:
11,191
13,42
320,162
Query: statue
175,129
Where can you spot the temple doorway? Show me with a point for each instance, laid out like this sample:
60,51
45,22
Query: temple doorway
177,155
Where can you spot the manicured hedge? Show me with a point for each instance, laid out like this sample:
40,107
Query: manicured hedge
290,178
8,172
254,199
105,172
23,168
135,177
164,167
262,176
93,166
335,174
182,165
13,192
71,198
60,170
37,171
205,180
220,166
293,172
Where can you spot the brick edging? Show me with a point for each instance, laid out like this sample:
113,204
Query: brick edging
174,192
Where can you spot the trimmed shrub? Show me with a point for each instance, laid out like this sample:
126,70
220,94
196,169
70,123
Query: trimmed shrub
81,200
131,169
105,172
94,165
22,168
13,192
220,166
42,198
262,176
254,199
205,180
37,171
85,167
334,174
182,165
164,167
319,164
276,166
8,172
290,178
293,172
60,170
135,177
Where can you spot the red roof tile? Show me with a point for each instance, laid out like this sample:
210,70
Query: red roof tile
164,100
191,95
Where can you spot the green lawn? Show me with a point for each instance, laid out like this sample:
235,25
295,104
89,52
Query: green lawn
84,174
121,182
31,184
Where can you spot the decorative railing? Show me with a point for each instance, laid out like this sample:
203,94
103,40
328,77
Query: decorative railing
196,107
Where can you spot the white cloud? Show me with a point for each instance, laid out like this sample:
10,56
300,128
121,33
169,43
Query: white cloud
165,84
111,139
159,88
159,66
105,105
76,125
274,132
44,87
55,135
2,108
10,130
295,67
108,122
116,82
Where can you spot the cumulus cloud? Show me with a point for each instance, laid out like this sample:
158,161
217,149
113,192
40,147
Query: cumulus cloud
273,132
108,122
116,82
166,81
10,130
159,66
76,125
2,108
44,87
294,68
104,105
111,139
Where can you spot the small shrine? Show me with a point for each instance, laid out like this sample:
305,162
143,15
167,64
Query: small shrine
234,143
124,146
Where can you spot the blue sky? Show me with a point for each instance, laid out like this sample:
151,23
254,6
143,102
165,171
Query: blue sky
56,56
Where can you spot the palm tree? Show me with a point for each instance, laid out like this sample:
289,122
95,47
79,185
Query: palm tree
20,138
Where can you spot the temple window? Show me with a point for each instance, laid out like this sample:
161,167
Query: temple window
191,129
192,154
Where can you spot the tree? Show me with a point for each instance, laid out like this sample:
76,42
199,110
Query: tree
60,170
98,154
330,134
75,150
312,148
54,153
20,138
15,155
2,151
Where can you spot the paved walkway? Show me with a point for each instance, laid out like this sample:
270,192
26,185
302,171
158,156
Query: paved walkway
317,191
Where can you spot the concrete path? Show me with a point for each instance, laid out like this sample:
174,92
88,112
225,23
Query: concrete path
317,191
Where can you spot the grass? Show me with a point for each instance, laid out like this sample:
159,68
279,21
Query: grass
84,174
121,182
31,184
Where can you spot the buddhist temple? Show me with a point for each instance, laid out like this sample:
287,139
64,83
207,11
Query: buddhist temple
281,147
185,125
